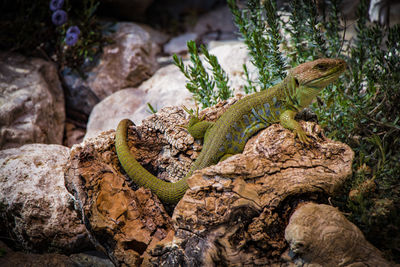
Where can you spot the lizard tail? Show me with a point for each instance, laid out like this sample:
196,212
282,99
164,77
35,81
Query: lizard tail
167,192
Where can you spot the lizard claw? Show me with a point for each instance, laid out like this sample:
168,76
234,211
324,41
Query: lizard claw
194,117
304,139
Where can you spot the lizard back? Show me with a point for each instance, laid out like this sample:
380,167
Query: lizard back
241,121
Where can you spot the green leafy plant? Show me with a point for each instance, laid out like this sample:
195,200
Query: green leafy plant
200,83
3,252
151,109
91,39
260,31
361,109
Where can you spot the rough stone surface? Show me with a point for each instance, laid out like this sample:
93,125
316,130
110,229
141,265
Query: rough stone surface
177,45
31,102
79,98
113,109
35,208
159,38
167,87
127,62
217,24
122,222
384,12
73,134
320,235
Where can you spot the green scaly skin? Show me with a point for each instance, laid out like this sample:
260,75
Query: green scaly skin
229,134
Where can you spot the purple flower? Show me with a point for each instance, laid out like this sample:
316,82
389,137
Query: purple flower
71,39
72,35
73,30
59,17
56,4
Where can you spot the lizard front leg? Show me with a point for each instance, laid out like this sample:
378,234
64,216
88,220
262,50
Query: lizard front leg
287,120
197,127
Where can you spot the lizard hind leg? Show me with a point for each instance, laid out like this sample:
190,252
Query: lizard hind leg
225,156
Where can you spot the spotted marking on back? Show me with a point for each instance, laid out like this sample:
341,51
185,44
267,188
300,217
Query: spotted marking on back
261,111
228,137
237,127
246,119
256,115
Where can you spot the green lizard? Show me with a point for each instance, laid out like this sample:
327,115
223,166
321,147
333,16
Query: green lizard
229,134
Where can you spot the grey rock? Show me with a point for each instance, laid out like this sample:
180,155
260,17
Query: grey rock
165,88
385,12
127,62
217,24
177,45
31,102
108,113
320,235
37,211
232,55
79,98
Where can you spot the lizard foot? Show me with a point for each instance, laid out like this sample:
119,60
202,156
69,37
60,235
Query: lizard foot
197,127
194,117
302,135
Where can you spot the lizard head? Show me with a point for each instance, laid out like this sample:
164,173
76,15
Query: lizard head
318,73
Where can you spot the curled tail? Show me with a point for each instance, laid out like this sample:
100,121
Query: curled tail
167,192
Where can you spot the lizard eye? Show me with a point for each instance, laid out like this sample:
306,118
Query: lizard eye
296,81
321,67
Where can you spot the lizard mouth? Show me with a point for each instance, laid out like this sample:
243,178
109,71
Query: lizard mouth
328,78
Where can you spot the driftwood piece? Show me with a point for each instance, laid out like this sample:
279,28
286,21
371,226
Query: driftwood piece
234,213
122,222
